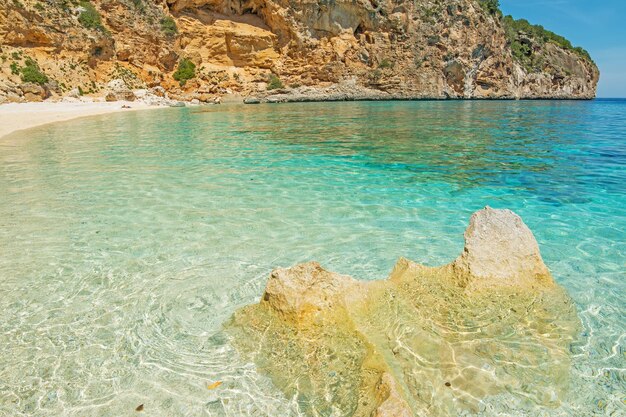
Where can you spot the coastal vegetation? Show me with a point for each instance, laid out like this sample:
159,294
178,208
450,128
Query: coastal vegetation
89,17
274,82
185,72
128,76
522,36
491,6
139,5
168,26
30,72
519,32
385,63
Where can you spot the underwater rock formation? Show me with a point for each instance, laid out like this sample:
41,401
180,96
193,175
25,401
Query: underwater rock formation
425,341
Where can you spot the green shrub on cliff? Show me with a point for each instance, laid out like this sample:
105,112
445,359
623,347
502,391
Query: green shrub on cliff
522,35
30,73
185,72
89,17
491,6
15,69
520,32
385,63
139,5
274,82
130,78
583,53
168,26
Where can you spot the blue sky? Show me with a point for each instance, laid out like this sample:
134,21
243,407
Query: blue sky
598,26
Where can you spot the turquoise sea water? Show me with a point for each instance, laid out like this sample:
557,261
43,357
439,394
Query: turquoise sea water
127,240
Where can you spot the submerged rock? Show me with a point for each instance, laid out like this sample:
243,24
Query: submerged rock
426,341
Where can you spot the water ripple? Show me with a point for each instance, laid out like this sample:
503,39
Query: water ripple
127,240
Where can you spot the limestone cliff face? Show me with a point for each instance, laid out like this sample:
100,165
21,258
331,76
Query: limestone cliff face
386,48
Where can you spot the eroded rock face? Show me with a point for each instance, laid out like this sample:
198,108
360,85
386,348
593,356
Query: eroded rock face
426,341
420,49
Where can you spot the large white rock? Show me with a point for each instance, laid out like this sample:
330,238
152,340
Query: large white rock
500,249
116,85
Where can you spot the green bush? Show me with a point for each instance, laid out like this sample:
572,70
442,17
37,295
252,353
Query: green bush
583,53
385,63
168,26
32,74
274,82
491,6
15,69
65,4
90,18
139,5
540,35
185,72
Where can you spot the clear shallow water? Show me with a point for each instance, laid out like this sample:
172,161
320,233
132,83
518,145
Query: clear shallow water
127,240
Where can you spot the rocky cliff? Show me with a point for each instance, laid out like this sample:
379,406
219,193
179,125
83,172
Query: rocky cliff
203,49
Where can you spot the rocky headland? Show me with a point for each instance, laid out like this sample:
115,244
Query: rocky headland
424,342
275,50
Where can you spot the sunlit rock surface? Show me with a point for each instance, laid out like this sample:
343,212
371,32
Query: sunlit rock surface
320,50
501,249
426,341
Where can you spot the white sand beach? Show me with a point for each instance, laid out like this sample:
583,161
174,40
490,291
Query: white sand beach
20,116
